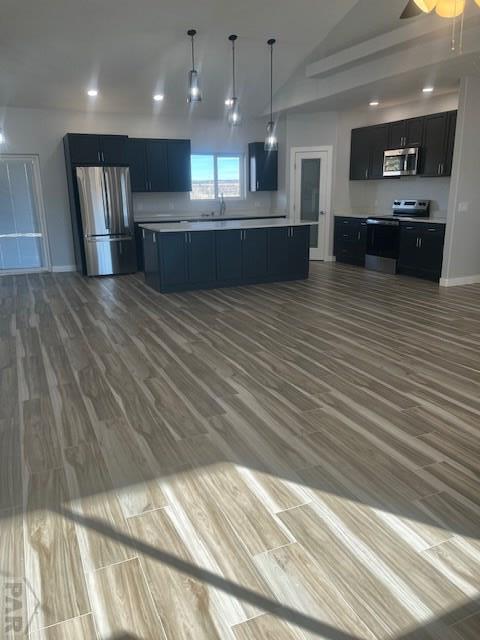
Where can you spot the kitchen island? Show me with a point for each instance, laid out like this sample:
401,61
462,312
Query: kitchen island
185,256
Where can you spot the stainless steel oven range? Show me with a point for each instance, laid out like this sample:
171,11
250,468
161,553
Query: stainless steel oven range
383,234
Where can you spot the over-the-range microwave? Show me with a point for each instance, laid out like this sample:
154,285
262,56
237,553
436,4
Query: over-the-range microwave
401,162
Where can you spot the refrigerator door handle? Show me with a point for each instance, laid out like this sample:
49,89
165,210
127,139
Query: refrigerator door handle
107,200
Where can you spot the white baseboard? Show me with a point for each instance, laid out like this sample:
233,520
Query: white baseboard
330,259
459,282
62,268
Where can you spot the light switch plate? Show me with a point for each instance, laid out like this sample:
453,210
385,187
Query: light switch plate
463,207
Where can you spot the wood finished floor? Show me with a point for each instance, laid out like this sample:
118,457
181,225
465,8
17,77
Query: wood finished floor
288,461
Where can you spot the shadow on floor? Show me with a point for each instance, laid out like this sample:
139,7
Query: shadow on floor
434,629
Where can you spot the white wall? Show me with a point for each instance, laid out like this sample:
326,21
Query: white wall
37,131
461,263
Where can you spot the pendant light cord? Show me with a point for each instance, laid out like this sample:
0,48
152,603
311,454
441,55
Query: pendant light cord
193,55
233,68
233,39
271,42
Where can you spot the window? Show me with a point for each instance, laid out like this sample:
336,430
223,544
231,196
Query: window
217,174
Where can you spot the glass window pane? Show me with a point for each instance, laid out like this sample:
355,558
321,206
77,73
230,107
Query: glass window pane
228,169
203,177
21,239
310,195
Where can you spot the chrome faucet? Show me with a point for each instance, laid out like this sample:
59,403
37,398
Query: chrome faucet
223,205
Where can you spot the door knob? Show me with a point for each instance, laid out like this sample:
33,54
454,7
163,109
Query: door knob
322,213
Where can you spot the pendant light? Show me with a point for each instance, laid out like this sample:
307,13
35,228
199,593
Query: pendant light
234,116
194,93
271,142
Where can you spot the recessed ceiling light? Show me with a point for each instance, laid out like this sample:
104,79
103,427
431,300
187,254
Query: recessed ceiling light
427,89
374,103
92,93
158,97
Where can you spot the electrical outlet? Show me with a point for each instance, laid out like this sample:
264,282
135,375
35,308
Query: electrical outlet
463,207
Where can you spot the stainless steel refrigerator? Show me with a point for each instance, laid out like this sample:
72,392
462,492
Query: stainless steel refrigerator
107,220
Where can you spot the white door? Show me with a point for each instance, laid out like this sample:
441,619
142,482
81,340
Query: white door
23,241
311,189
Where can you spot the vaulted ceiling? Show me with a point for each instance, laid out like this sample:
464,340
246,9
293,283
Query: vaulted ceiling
52,51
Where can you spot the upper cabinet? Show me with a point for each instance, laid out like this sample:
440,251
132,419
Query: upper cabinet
179,165
405,133
434,134
155,165
368,145
262,167
159,165
438,143
90,149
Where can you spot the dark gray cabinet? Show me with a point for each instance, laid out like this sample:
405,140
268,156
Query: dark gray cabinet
421,249
262,168
159,165
172,251
179,165
201,257
434,134
287,249
360,154
433,156
179,261
405,133
150,258
366,153
229,253
350,240
137,160
91,149
254,254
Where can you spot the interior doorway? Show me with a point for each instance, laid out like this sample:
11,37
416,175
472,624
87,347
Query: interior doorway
310,194
23,233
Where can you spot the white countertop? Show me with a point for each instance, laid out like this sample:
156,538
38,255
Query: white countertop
390,216
219,225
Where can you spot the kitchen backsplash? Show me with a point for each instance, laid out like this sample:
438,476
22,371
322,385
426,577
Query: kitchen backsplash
173,204
375,197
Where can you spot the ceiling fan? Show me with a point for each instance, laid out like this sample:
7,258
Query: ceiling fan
412,10
443,8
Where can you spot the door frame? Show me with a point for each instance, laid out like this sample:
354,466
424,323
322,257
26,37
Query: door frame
40,206
328,149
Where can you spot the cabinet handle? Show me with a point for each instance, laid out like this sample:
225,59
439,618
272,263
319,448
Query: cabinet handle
103,157
420,243
366,174
154,238
441,169
257,185
358,238
98,156
143,234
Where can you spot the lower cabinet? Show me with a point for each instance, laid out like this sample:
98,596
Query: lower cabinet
150,258
287,248
202,265
350,240
228,246
421,250
178,261
254,254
